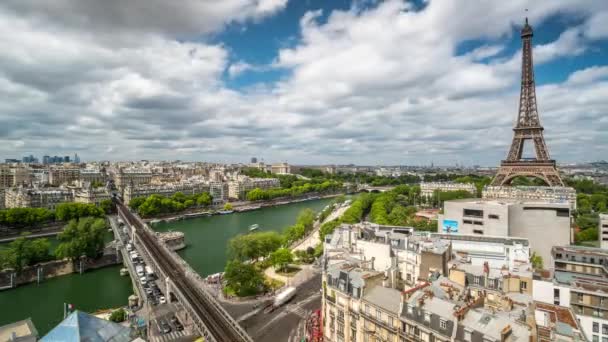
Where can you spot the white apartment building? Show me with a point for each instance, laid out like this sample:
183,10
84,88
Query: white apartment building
166,190
553,194
237,189
544,224
428,189
219,191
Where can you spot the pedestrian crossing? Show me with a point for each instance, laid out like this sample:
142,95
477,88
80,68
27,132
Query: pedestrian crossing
172,336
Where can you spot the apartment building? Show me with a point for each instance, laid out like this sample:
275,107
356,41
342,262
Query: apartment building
6,177
1,198
603,231
90,195
167,190
579,281
92,175
428,189
63,175
219,191
553,194
544,224
133,177
237,189
37,198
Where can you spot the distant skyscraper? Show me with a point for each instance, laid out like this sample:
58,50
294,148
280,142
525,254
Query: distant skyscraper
66,159
254,160
46,160
76,158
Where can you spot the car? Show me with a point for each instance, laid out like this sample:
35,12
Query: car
148,290
179,326
174,320
143,280
165,328
162,299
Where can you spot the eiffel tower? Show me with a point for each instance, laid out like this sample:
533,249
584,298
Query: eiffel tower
528,127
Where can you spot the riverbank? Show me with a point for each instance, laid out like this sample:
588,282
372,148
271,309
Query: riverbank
238,207
10,279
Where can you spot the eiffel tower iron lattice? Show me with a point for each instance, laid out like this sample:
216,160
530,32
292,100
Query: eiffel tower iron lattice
528,127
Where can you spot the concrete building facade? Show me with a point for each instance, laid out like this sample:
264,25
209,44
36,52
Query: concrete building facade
62,175
553,194
428,189
544,224
603,231
37,198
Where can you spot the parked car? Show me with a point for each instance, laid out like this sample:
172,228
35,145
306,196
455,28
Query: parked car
165,328
162,299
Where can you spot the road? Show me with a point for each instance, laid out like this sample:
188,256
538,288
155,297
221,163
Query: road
313,239
281,324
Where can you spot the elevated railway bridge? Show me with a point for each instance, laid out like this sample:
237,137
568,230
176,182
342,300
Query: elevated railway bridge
208,316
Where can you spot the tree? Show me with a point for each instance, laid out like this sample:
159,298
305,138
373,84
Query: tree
250,247
228,206
537,261
589,234
281,258
107,206
83,237
118,316
23,252
243,278
328,228
136,202
204,199
70,211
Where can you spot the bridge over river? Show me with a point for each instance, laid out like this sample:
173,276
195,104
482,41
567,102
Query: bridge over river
182,283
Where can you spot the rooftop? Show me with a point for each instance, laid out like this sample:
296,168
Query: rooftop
23,331
384,297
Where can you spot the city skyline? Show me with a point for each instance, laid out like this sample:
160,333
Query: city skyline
389,83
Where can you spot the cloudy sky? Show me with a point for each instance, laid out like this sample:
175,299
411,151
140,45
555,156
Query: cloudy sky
302,81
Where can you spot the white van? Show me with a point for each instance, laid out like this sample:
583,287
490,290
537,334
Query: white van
140,270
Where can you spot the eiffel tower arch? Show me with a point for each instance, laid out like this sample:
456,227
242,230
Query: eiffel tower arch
528,128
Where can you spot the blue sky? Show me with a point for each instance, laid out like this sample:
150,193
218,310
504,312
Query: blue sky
310,81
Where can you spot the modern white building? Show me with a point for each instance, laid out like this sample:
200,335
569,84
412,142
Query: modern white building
544,224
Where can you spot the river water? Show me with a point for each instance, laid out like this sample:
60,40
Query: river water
206,238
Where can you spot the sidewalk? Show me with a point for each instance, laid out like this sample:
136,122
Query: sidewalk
313,238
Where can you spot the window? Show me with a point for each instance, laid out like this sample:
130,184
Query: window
558,255
391,322
478,231
596,327
353,335
476,280
467,221
478,223
409,309
596,338
473,213
340,328
579,297
604,339
556,296
378,315
562,212
443,324
592,260
584,259
493,216
605,329
523,285
366,309
597,313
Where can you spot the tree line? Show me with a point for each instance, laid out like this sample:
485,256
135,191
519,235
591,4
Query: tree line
591,200
159,204
32,217
296,190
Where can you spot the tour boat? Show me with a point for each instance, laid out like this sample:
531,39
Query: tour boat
254,227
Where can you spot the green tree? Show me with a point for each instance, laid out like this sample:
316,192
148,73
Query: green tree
70,211
281,258
107,206
83,237
136,202
23,252
243,278
204,199
118,316
537,261
328,228
250,247
228,206
589,234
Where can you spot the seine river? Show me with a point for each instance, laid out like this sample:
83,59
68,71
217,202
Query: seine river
206,238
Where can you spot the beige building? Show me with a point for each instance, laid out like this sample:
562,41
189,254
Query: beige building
91,195
219,191
603,231
6,177
63,175
1,198
553,194
280,168
92,175
37,198
123,177
429,189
